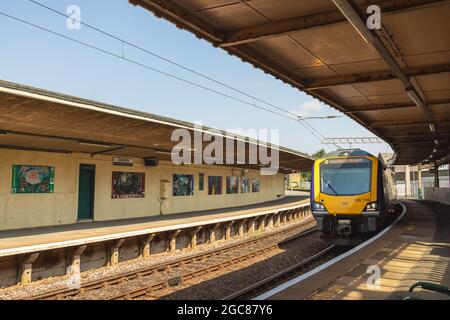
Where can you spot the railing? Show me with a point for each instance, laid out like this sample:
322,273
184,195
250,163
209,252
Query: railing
415,191
17,263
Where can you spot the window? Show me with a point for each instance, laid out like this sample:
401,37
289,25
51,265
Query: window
345,177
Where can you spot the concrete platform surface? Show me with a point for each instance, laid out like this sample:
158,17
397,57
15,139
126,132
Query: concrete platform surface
45,238
417,248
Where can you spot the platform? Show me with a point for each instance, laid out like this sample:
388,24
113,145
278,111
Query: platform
416,248
46,238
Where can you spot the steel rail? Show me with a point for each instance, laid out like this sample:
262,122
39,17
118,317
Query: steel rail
166,283
304,263
145,271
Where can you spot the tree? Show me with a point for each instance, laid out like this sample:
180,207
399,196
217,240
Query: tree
306,175
319,154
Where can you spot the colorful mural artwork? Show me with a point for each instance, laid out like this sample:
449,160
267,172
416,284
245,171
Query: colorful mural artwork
127,185
232,185
33,179
214,185
245,185
255,185
183,185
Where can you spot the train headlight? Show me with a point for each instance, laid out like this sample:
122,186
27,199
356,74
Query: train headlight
373,206
317,206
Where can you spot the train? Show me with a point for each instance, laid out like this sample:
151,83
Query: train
352,192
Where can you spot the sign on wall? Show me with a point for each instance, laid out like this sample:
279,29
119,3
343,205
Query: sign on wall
232,185
123,161
183,184
214,185
33,179
127,185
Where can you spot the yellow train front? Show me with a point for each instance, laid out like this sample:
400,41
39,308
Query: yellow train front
351,192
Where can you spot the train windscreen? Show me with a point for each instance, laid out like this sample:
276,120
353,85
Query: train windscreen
345,176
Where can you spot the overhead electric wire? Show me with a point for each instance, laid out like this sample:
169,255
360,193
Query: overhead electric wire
305,124
141,64
162,58
293,116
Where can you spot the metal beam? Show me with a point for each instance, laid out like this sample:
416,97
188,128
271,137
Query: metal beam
427,140
382,107
419,153
189,21
394,123
291,160
355,19
72,139
374,76
184,19
107,150
411,148
421,145
389,133
181,17
16,147
251,56
413,136
283,27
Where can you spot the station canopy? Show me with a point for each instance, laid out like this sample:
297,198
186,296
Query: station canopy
395,81
39,120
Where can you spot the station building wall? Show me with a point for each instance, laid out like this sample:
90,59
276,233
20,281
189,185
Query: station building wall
20,210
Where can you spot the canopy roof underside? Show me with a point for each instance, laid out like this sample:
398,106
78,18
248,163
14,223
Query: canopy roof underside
39,120
394,81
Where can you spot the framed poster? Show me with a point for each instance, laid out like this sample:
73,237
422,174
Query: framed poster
183,185
201,181
33,179
245,185
127,185
214,185
232,185
255,185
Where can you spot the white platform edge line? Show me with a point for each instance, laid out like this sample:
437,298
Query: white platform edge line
128,234
291,282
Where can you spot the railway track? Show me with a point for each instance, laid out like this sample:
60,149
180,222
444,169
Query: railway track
218,264
251,291
194,264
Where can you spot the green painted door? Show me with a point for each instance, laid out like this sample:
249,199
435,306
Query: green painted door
86,192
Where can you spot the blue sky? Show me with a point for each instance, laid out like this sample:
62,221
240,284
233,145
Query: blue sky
36,58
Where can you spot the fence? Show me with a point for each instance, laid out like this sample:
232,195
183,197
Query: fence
415,193
441,195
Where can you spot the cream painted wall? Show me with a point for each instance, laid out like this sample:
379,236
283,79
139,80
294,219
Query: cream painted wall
60,207
28,210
